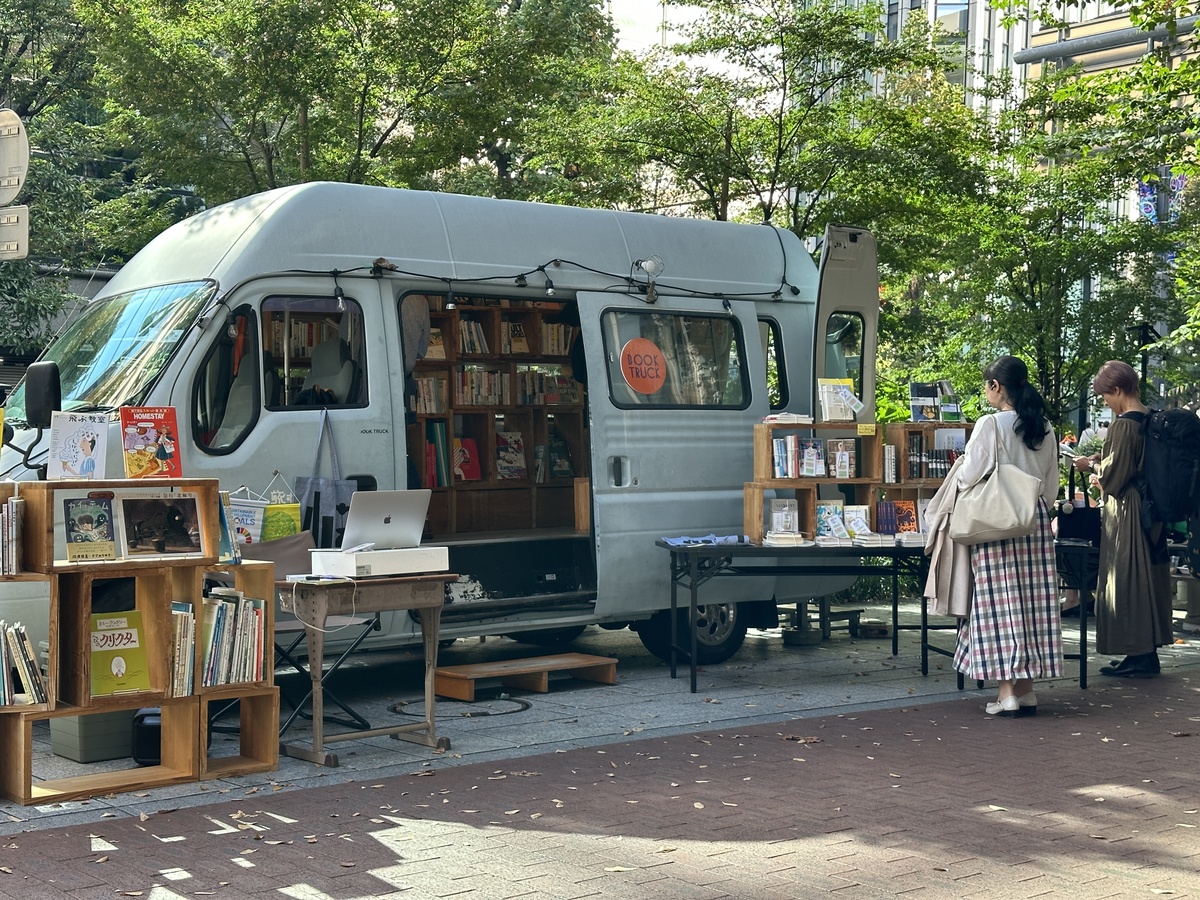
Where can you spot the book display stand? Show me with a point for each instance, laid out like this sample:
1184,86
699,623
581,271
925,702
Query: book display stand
499,417
167,571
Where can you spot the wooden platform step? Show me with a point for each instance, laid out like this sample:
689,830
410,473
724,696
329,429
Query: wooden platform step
531,674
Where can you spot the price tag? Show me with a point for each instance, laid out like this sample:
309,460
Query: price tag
866,428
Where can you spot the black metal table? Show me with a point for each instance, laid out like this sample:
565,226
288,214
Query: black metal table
695,564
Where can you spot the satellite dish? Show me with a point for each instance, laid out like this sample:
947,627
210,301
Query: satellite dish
14,155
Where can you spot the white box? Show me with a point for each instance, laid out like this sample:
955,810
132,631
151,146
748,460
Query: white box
368,563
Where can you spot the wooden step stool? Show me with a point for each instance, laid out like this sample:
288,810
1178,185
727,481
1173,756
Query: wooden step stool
531,674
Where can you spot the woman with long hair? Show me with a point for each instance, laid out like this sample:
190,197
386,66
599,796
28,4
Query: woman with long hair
1013,634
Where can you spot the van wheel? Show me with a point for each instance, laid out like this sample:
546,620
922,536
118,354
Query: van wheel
548,637
720,633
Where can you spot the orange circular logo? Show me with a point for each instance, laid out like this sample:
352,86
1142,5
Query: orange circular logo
643,366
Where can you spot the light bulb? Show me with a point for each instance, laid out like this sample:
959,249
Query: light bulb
549,288
340,296
652,265
450,304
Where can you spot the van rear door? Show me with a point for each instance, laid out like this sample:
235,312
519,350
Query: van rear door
674,390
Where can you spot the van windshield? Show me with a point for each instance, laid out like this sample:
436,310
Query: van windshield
113,353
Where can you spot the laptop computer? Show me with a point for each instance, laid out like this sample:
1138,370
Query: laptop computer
386,520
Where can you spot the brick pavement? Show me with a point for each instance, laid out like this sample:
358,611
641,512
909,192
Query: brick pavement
1095,797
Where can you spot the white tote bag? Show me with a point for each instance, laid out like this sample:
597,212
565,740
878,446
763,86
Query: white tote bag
1001,506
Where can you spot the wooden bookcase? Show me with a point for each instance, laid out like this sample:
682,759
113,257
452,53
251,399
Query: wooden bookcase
157,581
505,369
916,465
860,489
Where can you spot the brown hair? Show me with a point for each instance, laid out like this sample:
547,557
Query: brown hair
1116,375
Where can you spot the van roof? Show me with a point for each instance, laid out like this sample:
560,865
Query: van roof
323,226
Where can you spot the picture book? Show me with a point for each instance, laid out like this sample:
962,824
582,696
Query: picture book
510,455
90,528
78,445
118,654
437,346
842,457
906,516
829,518
785,516
160,524
466,460
923,401
149,436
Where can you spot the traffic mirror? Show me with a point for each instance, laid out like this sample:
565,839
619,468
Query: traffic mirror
14,155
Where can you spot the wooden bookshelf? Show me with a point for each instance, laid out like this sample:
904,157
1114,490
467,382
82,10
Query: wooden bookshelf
861,488
916,466
505,370
157,582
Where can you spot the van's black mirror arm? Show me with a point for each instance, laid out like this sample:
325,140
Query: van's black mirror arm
9,434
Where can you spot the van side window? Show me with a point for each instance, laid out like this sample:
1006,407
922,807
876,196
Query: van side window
772,346
316,351
679,360
843,348
227,395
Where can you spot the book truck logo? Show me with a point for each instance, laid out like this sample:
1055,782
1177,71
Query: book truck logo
643,366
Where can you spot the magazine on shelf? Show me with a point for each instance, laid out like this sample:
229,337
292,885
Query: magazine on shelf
437,346
149,442
923,401
78,445
510,455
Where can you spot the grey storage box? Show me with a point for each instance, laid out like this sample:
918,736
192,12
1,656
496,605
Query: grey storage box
94,737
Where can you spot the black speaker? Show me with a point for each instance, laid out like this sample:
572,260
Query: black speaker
147,736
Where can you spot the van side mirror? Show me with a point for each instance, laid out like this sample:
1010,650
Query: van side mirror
43,393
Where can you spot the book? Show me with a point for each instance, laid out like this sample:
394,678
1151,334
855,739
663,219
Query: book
510,455
229,545
837,400
829,518
950,439
885,517
183,656
21,657
949,409
923,401
149,436
560,457
78,445
118,656
160,524
14,562
437,346
517,340
90,528
466,460
906,516
785,516
812,457
842,457
858,519
539,463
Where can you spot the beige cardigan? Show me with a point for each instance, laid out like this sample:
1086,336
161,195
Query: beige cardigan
950,585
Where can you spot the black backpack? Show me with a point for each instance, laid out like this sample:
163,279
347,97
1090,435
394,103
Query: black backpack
1171,475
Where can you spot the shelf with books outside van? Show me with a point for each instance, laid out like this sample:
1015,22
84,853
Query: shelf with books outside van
923,453
142,651
497,428
785,451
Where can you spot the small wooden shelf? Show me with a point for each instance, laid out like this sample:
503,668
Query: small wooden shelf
157,582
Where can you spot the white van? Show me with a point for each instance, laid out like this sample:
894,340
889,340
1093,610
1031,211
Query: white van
252,316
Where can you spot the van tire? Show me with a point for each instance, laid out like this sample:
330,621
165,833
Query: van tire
548,637
720,633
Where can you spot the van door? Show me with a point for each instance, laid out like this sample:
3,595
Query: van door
847,333
672,402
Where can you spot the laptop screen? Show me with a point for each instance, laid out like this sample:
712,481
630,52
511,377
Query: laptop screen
387,520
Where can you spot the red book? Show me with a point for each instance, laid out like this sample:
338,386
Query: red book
150,442
466,460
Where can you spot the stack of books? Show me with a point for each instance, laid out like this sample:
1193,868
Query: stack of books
910,539
831,541
785,539
871,539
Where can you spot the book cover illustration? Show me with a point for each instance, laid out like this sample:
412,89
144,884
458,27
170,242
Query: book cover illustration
164,525
78,445
829,519
906,516
149,436
812,457
466,460
437,345
923,401
510,455
858,519
837,399
842,457
91,528
560,457
119,662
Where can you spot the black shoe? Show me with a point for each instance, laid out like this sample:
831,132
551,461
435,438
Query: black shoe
1141,665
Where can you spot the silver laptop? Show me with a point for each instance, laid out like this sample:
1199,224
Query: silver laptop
386,520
